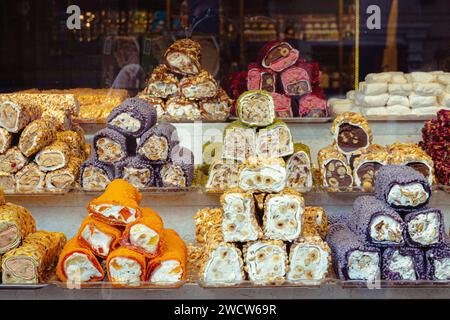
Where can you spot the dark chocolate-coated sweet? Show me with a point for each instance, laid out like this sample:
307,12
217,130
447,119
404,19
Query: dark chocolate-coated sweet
145,176
168,133
392,269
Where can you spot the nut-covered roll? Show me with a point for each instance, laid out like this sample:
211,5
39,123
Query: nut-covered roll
72,139
283,215
216,108
238,142
182,109
157,143
126,267
179,172
16,223
64,178
335,172
32,261
7,182
366,166
274,141
403,264
299,170
5,140
278,55
162,84
376,223
80,131
425,228
200,86
54,156
222,265
156,103
132,117
314,222
309,260
136,170
13,160
208,226
61,118
30,179
37,135
95,175
402,188
296,81
265,261
256,108
438,263
222,175
183,57
110,146
17,111
261,78
351,133
262,175
239,222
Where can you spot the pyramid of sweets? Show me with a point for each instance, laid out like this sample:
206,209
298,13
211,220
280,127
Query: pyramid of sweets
129,241
135,148
393,235
436,142
180,90
263,238
257,149
352,160
398,93
40,148
28,255
293,83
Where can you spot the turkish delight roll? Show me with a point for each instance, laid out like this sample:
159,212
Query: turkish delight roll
17,112
33,260
312,105
95,175
118,205
183,57
200,86
30,179
145,235
424,228
309,260
99,237
182,109
299,170
353,259
283,215
283,108
403,264
351,133
402,187
366,166
132,117
278,55
37,135
54,156
274,141
179,172
7,182
262,175
261,78
314,222
376,223
438,263
157,143
136,170
77,264
256,108
223,175
170,266
110,146
208,225
222,264
126,267
16,223
239,223
13,160
216,108
335,172
72,139
156,103
238,142
64,178
295,81
266,261
162,83
5,140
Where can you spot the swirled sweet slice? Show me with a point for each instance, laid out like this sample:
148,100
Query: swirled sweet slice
262,175
17,111
30,179
37,135
53,157
256,108
216,108
5,140
222,265
183,57
278,55
366,166
7,182
64,178
16,223
296,81
13,160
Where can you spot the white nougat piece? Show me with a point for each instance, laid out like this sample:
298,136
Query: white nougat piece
391,110
419,76
378,77
427,89
397,100
224,265
339,106
373,89
372,101
418,101
444,100
426,110
265,261
443,78
351,95
401,89
399,79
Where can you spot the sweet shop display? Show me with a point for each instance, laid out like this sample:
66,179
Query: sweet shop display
180,90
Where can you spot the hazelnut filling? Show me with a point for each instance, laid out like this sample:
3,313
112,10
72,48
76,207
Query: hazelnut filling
238,222
162,89
276,54
182,62
155,148
264,179
275,143
299,175
404,265
308,262
109,151
239,144
283,218
336,175
351,138
256,108
127,122
200,90
384,229
51,160
265,262
172,176
363,265
9,116
267,82
223,266
223,176
95,178
216,108
367,173
408,195
137,177
60,181
424,228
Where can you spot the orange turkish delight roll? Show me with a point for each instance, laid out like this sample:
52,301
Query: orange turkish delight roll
126,267
118,205
145,234
78,264
170,266
99,237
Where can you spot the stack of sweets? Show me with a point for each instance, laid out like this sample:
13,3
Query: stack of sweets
264,238
180,90
40,148
129,241
436,142
133,147
392,235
